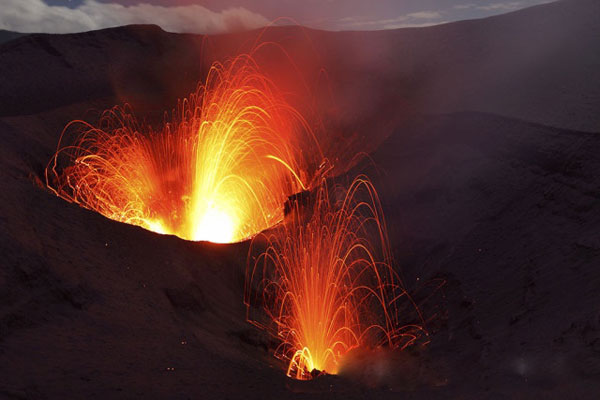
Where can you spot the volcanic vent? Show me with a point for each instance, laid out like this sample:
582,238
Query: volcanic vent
219,170
326,282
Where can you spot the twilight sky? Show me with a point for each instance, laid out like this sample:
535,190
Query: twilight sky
216,16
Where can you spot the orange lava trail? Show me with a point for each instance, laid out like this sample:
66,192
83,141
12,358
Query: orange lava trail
325,283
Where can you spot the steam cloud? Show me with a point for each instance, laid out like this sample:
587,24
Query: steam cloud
37,16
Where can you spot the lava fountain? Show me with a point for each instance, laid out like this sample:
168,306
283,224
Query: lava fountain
324,285
218,170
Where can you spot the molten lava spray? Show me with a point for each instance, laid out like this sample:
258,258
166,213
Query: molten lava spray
326,284
220,170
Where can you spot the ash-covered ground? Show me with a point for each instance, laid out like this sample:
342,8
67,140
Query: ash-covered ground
485,136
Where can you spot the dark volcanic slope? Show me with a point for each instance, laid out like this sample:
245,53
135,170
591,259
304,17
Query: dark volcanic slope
504,210
540,64
135,64
6,36
508,212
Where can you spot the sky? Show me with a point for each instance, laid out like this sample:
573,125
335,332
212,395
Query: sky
218,16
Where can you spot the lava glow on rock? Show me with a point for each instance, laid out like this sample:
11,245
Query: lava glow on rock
325,285
219,170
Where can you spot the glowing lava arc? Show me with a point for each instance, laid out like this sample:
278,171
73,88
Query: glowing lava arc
220,170
326,285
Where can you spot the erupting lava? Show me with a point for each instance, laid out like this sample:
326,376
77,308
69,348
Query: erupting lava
326,284
220,170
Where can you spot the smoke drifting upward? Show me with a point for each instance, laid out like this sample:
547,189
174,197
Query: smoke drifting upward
37,16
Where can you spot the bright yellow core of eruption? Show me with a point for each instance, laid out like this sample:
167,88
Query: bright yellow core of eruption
216,226
220,170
